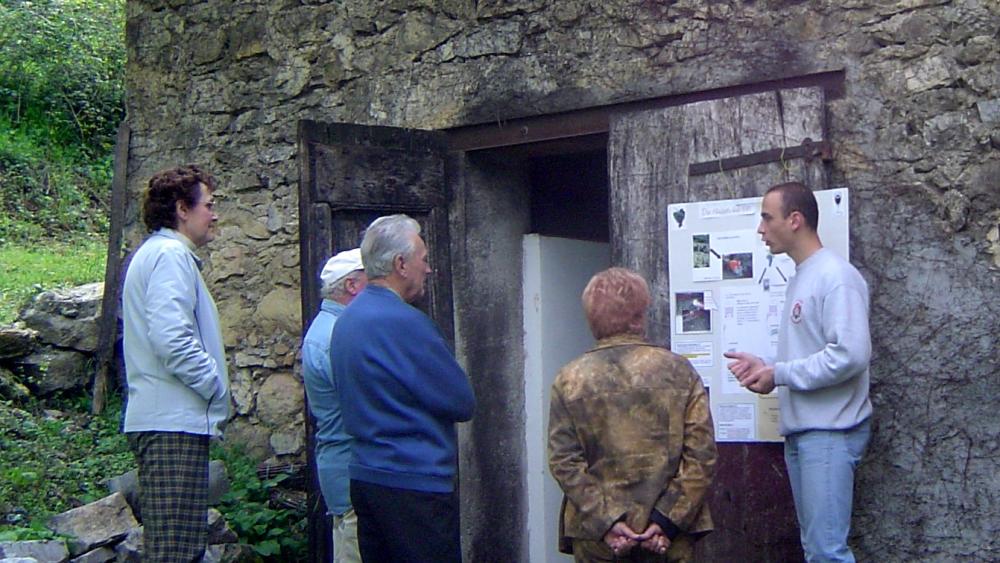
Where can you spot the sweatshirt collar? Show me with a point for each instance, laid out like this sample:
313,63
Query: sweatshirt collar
813,258
382,290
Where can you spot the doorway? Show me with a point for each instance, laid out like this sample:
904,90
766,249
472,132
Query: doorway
568,244
535,226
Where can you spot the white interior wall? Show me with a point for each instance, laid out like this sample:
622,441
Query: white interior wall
555,331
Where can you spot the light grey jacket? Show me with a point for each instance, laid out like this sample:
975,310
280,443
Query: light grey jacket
174,356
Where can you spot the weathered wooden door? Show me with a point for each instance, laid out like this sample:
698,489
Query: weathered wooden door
718,149
351,174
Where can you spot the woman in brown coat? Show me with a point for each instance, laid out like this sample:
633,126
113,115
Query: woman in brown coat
630,437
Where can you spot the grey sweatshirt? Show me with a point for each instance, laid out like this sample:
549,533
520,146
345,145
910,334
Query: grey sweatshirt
824,347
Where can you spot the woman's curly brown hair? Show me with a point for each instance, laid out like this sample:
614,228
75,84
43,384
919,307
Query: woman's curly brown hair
166,188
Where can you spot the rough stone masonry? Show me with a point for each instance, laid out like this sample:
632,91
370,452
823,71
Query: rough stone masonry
917,132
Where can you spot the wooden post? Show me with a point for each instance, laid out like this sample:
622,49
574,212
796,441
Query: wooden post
112,272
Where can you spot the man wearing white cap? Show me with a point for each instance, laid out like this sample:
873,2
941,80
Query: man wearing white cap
343,278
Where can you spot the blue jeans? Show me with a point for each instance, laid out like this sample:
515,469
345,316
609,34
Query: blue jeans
821,466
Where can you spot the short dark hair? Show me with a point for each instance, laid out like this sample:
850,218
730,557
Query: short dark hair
166,188
795,196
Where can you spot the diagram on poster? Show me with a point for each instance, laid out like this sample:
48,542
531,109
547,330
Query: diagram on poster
728,294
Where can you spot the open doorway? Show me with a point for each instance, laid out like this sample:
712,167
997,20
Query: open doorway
531,227
568,243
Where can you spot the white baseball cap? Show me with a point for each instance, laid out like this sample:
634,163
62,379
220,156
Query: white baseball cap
340,265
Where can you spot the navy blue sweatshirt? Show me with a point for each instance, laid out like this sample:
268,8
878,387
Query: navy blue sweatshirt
401,393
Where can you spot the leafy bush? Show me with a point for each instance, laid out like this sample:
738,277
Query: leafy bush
61,69
48,192
62,66
273,534
53,461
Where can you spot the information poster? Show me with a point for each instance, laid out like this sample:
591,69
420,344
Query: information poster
728,294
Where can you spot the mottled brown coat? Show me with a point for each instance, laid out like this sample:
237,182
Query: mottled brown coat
630,430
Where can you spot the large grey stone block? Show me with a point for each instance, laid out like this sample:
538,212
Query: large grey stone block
99,523
129,550
49,370
67,318
99,555
17,340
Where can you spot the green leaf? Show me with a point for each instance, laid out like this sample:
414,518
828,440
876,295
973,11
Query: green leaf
267,547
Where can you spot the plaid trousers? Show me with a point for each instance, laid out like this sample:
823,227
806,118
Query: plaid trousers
173,494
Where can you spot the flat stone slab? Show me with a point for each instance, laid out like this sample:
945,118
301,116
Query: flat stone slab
99,523
48,551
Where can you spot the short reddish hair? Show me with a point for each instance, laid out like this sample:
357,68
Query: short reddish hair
615,302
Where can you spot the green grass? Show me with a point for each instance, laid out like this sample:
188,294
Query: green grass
29,268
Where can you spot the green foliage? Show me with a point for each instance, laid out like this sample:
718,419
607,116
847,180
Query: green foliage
49,191
273,534
30,268
35,530
62,65
51,462
61,69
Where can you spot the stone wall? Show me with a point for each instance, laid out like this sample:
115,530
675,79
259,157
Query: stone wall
916,135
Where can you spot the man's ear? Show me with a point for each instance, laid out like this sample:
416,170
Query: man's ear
397,264
796,219
351,285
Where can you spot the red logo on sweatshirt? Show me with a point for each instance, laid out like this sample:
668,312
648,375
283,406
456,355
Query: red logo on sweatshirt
797,311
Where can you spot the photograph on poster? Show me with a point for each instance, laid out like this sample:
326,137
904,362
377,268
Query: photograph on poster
706,263
735,252
693,316
701,251
738,266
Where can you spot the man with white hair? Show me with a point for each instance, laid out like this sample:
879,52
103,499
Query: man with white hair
402,393
343,278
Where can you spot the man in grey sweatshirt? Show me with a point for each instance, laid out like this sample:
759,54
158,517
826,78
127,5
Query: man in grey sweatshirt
821,372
